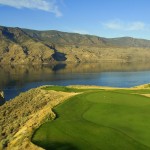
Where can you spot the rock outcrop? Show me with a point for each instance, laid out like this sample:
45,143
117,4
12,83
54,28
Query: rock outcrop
1,95
2,99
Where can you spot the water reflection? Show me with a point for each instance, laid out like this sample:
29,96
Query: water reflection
58,67
19,78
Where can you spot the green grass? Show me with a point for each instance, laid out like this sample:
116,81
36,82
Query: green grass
65,89
104,120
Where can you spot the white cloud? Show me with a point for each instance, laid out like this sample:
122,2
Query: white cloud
115,24
45,5
129,26
136,26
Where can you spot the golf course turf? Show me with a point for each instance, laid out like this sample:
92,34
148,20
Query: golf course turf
98,119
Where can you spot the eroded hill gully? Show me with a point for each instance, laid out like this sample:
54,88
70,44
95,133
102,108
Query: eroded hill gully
57,56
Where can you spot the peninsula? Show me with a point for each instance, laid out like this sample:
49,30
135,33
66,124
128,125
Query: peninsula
28,111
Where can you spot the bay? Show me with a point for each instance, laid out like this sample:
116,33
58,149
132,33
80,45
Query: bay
20,78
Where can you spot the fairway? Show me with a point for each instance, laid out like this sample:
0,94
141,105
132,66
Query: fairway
98,120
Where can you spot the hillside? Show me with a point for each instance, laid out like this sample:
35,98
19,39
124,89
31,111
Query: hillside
18,47
24,46
64,38
129,42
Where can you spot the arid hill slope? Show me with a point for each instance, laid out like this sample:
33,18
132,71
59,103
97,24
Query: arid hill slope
24,46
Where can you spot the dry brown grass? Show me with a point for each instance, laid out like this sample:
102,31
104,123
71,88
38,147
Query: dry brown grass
144,86
22,115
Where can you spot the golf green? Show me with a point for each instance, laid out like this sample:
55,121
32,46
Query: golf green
98,119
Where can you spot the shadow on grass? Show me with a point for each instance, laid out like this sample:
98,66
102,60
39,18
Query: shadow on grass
59,146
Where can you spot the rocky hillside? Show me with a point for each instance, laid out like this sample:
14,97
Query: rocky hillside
24,46
16,46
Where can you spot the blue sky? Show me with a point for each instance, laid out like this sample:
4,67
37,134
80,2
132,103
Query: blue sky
105,18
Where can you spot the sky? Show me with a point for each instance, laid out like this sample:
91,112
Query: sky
104,18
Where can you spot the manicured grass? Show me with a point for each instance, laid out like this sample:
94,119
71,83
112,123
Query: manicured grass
65,89
104,120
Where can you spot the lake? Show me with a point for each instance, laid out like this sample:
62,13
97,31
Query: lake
20,78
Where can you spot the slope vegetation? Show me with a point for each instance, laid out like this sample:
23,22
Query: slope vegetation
24,46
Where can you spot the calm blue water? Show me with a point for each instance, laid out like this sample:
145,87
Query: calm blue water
13,82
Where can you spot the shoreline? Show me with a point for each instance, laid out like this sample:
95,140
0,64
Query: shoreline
30,109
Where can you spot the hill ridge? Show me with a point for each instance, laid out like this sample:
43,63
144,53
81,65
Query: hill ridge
26,46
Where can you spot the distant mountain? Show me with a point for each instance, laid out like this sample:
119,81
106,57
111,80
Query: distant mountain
129,42
64,38
24,46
